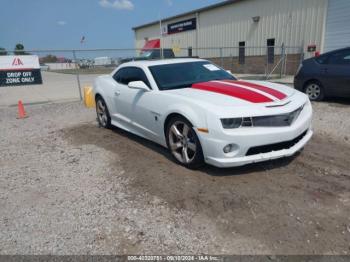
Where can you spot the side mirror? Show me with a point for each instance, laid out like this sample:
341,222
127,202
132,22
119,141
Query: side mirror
138,85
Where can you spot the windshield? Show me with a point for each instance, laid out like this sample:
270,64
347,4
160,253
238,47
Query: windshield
181,75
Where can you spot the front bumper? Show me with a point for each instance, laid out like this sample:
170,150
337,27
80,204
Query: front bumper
241,161
245,139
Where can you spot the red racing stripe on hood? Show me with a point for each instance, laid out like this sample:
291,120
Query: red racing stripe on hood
265,89
234,91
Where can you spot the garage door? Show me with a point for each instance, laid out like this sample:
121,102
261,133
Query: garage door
337,25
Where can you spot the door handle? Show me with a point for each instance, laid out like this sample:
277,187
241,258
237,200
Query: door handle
117,93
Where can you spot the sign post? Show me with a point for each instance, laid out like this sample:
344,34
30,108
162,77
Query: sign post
20,70
77,73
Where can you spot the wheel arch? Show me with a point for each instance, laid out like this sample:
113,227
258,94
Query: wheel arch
197,120
171,116
97,95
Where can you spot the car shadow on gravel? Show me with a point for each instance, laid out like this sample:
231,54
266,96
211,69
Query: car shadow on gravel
208,169
126,145
336,101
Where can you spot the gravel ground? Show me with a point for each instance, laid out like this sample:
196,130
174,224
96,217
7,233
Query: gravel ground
69,187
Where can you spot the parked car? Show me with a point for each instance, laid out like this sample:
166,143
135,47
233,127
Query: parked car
201,113
150,54
326,75
156,53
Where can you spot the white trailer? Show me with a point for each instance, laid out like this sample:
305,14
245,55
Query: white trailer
103,61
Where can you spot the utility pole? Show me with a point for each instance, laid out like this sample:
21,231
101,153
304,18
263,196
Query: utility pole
161,38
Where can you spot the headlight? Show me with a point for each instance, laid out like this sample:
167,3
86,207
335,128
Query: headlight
230,123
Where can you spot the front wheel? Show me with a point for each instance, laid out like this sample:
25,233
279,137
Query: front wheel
183,143
103,117
314,91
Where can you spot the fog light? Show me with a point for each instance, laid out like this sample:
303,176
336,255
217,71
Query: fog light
229,148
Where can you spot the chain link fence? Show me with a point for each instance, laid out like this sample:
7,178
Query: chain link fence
66,72
264,62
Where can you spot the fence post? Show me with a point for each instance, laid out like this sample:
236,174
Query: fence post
267,63
302,54
283,57
77,74
221,57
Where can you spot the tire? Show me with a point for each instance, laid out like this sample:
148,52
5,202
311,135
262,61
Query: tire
183,143
103,117
314,90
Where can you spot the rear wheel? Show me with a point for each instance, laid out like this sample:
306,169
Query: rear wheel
314,91
183,143
103,117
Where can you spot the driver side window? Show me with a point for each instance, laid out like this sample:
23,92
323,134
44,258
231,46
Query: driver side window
129,74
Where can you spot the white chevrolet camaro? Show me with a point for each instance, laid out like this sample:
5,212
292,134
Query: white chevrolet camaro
202,113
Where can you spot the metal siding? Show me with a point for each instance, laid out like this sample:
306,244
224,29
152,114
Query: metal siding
150,32
337,25
290,22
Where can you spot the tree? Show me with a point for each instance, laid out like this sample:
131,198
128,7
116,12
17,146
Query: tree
48,59
19,49
3,51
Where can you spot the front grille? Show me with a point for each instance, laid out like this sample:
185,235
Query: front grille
275,147
272,121
276,120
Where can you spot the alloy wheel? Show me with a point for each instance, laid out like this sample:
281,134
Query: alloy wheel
313,91
102,113
182,142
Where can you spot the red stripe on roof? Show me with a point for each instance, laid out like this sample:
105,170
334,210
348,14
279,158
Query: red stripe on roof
265,89
234,91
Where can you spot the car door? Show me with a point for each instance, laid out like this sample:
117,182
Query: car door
134,106
118,111
336,72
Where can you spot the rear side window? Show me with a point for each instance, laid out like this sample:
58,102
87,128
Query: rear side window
129,74
340,58
335,58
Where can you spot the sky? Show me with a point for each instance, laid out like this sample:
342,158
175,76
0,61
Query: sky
60,24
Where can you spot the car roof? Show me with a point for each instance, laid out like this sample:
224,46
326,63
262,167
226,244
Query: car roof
336,50
162,62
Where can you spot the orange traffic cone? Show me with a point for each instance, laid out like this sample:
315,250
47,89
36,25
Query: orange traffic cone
21,111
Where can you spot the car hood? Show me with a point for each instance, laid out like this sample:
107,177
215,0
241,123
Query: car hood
230,93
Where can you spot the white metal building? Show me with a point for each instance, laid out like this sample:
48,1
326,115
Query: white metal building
337,30
298,23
